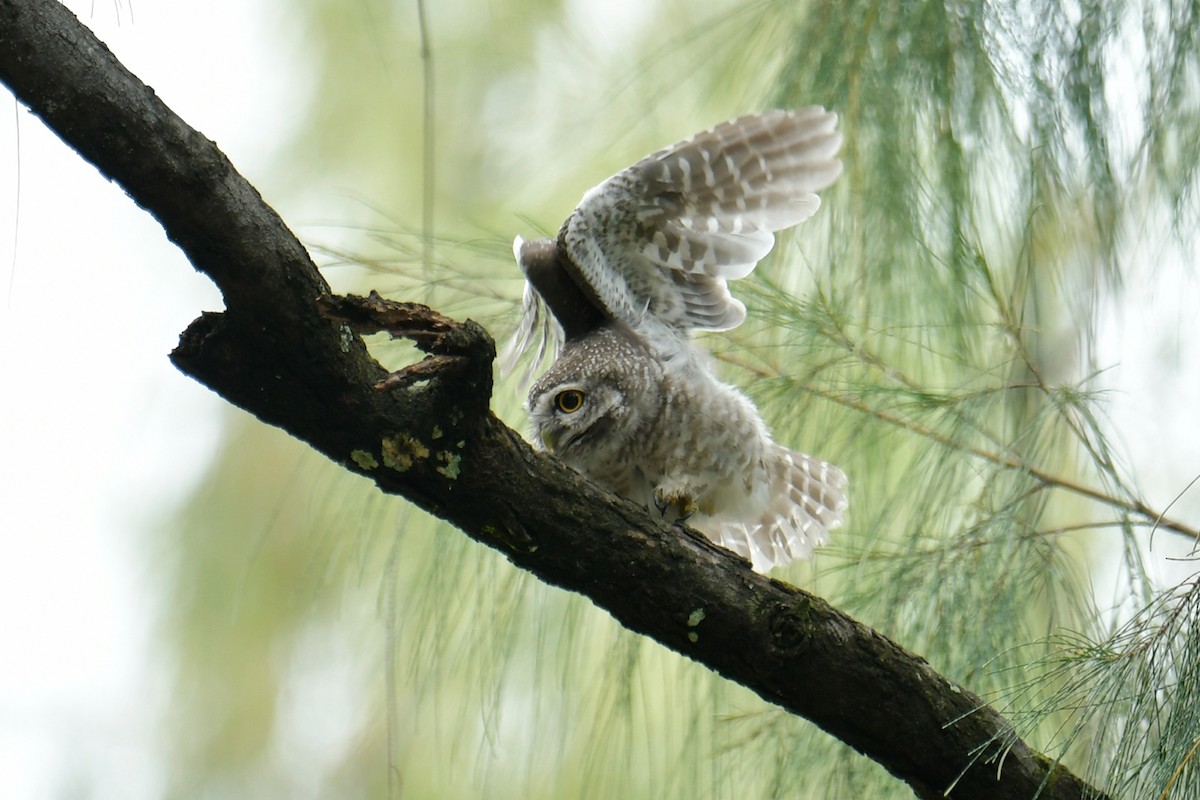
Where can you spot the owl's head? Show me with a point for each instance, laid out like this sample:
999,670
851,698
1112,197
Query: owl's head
598,393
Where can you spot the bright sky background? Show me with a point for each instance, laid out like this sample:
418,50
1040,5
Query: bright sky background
100,436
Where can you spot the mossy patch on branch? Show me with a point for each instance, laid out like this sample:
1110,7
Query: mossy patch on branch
400,451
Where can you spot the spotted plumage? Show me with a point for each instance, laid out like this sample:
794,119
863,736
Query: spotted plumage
643,260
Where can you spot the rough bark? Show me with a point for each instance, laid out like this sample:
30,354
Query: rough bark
290,354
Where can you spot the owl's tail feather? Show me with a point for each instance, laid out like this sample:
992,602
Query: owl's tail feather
808,499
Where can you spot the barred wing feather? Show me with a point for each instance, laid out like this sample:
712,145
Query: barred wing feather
662,237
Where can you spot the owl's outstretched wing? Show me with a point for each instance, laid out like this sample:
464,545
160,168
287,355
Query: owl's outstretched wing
663,236
656,243
806,500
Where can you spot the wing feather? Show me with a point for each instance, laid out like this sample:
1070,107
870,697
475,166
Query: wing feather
659,240
537,330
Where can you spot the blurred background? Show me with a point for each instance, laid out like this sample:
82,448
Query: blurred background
989,326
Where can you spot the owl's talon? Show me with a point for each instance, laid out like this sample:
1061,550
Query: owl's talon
681,502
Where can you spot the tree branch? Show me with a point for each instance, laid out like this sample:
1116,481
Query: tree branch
427,434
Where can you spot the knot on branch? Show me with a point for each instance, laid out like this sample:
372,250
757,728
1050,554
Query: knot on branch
462,351
790,625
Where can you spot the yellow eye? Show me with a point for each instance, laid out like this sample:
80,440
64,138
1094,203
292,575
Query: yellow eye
569,401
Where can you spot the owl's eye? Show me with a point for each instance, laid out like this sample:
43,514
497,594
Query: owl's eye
569,401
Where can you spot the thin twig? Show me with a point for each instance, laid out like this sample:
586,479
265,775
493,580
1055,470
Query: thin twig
427,119
1132,505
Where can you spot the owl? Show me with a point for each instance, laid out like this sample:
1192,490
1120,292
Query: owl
631,400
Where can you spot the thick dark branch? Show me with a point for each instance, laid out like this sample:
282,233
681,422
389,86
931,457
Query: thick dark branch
427,434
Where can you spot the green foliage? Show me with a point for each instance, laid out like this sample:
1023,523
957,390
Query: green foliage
930,331
1133,696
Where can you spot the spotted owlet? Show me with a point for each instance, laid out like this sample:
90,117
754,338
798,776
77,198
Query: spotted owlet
643,260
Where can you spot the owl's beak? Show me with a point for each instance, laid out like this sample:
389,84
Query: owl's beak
550,439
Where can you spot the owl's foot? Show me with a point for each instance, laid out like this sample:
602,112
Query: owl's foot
679,501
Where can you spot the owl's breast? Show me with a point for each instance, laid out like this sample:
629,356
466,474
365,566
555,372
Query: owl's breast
719,446
623,469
